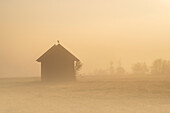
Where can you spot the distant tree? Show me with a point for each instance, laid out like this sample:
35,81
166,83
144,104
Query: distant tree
160,67
78,66
120,70
140,68
111,68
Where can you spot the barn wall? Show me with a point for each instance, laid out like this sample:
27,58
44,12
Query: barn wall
58,70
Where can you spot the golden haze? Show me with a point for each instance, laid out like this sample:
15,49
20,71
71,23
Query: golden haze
96,31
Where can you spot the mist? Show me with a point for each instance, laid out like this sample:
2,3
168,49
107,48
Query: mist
75,56
97,32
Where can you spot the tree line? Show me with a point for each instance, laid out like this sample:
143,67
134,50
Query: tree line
158,67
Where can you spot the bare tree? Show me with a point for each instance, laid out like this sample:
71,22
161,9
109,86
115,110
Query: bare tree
78,66
140,68
111,68
120,70
160,67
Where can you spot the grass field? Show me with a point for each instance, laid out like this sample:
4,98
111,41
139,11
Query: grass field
88,95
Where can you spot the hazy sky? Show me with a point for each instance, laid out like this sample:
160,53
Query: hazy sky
96,31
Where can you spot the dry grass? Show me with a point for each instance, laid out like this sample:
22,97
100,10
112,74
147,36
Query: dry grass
88,95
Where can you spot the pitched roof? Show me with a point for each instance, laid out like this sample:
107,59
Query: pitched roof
56,49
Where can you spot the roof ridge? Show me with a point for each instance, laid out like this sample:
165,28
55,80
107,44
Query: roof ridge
54,48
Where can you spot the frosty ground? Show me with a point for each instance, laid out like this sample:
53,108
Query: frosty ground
87,95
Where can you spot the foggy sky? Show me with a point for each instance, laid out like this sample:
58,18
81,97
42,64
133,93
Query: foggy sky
96,31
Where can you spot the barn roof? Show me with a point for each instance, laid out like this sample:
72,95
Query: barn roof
57,49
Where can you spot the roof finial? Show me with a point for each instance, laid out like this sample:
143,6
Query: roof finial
58,41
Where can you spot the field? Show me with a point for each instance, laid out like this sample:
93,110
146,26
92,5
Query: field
88,95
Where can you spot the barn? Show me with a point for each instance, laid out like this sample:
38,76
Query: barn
58,65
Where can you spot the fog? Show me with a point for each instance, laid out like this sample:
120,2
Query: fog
97,32
120,61
101,95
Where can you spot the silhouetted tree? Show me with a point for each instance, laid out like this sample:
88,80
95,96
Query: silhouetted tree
78,66
120,70
160,67
140,68
111,68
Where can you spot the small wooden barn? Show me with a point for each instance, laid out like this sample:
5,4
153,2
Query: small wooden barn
58,64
